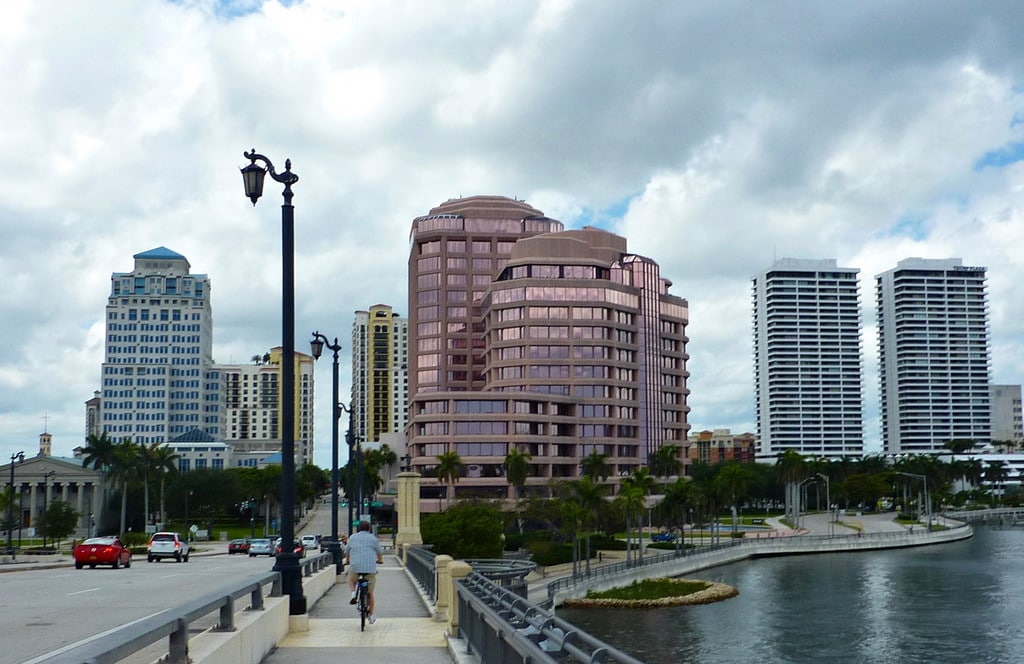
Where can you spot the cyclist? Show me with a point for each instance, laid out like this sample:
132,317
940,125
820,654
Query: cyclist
363,553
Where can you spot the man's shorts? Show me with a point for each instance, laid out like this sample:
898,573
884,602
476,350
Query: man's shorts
372,578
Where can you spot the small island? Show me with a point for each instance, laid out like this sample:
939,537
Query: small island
656,592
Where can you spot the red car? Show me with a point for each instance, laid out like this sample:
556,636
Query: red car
102,551
297,547
238,546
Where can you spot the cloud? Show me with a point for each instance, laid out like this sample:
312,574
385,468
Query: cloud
715,137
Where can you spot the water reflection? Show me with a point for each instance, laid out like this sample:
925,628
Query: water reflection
959,602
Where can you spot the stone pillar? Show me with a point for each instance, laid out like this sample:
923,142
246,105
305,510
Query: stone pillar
407,506
458,571
33,517
442,588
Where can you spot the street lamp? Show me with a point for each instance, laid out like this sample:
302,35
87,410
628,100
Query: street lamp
46,491
927,502
317,349
828,503
288,562
20,456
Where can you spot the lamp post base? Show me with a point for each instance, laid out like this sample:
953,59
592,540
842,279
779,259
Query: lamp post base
291,582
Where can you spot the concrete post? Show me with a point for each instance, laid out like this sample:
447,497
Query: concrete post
443,587
458,570
407,507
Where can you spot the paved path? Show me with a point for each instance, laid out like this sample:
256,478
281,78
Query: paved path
405,631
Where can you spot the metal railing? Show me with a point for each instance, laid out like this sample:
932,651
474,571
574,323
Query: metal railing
420,563
500,626
506,572
781,544
616,569
174,623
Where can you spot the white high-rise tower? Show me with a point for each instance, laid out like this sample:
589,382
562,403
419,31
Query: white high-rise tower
807,359
933,355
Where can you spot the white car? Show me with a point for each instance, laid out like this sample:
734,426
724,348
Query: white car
310,541
167,545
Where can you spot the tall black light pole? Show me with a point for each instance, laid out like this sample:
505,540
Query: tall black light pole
20,456
350,440
46,492
288,562
317,348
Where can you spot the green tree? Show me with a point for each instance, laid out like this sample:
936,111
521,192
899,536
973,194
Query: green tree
517,469
163,462
631,503
61,520
676,504
468,529
595,466
449,469
733,480
666,462
590,497
125,467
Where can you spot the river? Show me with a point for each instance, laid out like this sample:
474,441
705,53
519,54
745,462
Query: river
960,603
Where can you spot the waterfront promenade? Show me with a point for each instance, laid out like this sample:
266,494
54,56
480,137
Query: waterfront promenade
406,630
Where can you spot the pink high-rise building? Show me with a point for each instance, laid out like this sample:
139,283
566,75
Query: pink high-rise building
523,335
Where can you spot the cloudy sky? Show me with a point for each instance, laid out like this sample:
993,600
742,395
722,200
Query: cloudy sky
715,136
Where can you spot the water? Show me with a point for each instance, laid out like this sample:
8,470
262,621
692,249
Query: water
961,602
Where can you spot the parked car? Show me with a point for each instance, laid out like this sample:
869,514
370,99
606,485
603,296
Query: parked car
663,537
102,551
261,547
297,548
310,541
238,546
168,545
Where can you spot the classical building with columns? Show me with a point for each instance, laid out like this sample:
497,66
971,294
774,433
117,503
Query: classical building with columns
41,479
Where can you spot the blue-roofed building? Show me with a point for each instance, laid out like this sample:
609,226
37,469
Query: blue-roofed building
159,346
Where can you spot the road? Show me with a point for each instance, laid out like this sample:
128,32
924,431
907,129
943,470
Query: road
46,610
49,609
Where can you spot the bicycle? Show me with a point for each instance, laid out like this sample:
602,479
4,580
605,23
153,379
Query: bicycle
363,599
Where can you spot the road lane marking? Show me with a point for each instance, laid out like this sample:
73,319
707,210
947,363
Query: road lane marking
79,592
90,639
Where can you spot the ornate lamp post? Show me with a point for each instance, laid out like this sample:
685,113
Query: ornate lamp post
20,456
288,562
317,349
349,440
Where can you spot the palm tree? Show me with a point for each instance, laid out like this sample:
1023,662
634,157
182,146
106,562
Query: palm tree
517,468
449,469
590,497
733,479
98,453
164,462
126,467
792,468
631,502
665,462
675,505
640,479
595,466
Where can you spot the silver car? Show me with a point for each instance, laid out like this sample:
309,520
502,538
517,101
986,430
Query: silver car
261,547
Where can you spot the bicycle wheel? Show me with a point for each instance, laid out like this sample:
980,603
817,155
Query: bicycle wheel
364,604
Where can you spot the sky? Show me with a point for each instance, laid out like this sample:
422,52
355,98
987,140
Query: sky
716,137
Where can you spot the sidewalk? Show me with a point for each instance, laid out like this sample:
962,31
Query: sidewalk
405,631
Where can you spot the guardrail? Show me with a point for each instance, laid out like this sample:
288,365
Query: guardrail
505,572
174,623
420,563
763,547
500,626
616,569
